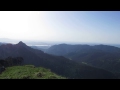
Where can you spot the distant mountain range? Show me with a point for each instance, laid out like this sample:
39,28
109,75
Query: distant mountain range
58,64
101,56
41,47
28,42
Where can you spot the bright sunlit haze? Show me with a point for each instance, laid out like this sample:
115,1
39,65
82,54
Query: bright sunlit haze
61,26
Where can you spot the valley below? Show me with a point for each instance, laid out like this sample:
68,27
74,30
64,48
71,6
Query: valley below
69,61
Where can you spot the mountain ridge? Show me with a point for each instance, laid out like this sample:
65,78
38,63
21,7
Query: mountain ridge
101,56
58,64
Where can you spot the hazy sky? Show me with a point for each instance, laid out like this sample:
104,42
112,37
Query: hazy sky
63,26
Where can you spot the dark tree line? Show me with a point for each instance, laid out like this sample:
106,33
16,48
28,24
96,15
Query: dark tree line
10,61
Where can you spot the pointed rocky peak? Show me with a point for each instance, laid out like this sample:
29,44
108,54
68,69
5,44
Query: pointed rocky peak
21,44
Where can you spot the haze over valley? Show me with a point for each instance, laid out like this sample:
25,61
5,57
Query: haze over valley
59,45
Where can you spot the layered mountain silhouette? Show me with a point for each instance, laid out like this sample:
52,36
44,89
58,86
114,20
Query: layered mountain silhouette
58,64
101,56
63,49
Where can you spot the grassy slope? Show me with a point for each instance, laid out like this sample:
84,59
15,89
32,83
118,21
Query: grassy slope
28,72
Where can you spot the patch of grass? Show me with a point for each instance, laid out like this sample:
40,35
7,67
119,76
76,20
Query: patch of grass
28,72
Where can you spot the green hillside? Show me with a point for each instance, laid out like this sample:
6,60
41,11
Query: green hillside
28,72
